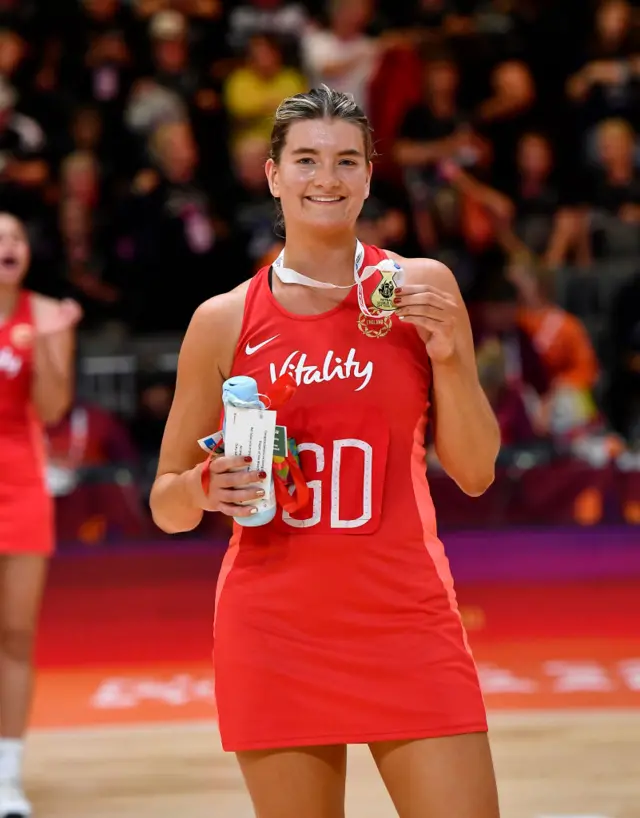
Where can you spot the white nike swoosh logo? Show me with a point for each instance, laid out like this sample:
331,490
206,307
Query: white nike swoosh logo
249,350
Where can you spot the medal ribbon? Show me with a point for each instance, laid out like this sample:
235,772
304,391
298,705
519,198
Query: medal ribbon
289,276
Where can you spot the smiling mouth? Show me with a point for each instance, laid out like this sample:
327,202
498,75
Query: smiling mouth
325,199
9,261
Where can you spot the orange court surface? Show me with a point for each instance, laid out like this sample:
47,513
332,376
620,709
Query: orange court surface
125,723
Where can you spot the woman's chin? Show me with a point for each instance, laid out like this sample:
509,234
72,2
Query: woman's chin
11,278
328,223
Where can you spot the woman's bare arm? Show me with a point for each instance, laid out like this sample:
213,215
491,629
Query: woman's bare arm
204,363
467,436
54,350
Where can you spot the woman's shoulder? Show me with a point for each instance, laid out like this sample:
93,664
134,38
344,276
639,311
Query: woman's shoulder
211,337
222,309
426,271
217,322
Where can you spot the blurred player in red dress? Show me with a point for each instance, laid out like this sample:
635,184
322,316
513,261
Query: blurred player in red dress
36,385
338,624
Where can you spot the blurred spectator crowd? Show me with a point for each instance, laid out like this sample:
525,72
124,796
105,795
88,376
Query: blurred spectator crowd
133,135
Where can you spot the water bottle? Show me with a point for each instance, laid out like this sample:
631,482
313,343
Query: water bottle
241,392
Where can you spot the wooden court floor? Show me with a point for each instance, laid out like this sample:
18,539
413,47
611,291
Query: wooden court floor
552,764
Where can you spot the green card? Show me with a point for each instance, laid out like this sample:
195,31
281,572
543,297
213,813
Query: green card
280,447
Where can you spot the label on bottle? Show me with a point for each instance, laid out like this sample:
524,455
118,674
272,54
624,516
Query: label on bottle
252,432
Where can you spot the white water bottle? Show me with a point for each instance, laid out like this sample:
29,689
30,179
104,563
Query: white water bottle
249,430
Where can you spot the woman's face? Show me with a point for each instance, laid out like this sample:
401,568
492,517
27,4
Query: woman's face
14,251
323,175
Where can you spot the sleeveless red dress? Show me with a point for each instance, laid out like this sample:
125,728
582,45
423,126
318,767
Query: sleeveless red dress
26,510
339,625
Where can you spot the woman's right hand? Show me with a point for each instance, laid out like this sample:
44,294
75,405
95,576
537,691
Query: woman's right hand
229,483
54,317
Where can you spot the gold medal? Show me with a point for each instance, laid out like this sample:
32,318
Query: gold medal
382,296
375,321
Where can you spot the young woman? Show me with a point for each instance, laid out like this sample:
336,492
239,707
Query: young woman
36,383
338,624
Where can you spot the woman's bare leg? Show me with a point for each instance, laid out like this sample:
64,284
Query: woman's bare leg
439,777
306,782
22,580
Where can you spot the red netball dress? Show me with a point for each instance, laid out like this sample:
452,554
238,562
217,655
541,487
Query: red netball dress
339,624
26,514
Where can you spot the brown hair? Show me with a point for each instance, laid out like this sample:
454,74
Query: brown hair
319,103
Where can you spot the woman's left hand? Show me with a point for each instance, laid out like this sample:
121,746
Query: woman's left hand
435,315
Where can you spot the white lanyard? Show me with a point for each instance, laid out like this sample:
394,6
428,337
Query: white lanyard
289,276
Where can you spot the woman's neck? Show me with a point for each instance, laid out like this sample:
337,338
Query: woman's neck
325,258
8,300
